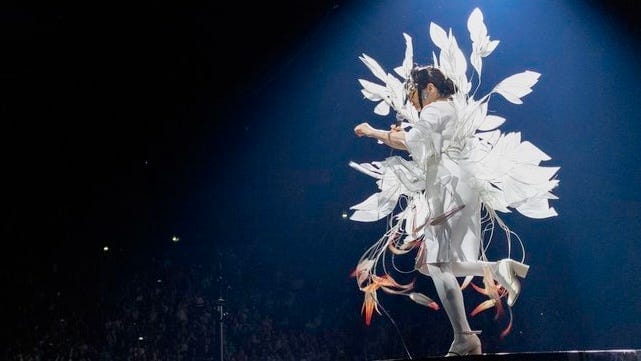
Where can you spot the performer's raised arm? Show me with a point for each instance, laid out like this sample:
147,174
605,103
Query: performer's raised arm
394,137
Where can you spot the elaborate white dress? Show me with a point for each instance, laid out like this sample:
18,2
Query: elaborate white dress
442,200
429,142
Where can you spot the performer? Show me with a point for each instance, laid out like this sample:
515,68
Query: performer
457,176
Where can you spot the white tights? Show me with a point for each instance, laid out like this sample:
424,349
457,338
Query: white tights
449,291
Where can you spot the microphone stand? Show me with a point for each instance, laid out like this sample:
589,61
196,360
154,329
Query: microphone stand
221,313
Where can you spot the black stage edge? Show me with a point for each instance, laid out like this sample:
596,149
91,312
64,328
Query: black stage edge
588,355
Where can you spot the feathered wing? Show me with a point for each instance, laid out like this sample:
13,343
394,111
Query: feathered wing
391,94
507,171
508,175
451,60
395,176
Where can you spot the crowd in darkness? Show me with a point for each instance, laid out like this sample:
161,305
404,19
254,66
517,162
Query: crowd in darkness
167,308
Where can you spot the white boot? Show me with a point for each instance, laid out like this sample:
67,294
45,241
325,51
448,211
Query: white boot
465,343
507,272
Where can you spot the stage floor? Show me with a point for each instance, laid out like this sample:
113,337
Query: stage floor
586,355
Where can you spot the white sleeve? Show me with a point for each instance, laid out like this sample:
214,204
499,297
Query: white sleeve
425,138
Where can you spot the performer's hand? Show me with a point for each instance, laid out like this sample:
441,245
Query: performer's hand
395,128
363,129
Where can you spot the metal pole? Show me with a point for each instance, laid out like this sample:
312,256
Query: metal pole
221,316
221,313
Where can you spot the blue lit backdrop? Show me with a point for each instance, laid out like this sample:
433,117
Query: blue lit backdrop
287,179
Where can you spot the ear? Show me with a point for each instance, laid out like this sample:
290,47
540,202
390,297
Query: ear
429,89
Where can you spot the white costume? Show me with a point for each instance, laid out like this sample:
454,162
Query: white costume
457,238
442,200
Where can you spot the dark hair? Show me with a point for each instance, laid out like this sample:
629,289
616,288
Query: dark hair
422,75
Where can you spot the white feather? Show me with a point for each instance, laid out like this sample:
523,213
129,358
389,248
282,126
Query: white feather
514,87
408,61
374,67
438,36
373,88
491,122
421,299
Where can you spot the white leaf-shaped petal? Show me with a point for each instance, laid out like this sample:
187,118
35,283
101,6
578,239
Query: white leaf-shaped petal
537,207
373,88
373,208
529,153
371,96
438,36
515,191
491,122
382,108
514,87
367,216
371,203
373,66
367,168
478,35
476,27
533,174
490,47
408,61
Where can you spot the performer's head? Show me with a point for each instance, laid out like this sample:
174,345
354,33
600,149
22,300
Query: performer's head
427,84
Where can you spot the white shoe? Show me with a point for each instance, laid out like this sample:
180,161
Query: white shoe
465,343
507,272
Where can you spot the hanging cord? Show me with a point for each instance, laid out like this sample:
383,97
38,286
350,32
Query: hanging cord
397,330
389,227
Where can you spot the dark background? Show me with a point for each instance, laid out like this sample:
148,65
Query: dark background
117,115
106,106
124,125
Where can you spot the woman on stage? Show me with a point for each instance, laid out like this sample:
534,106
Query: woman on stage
442,199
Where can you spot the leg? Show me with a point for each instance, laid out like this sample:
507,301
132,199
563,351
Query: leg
465,341
506,271
464,269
